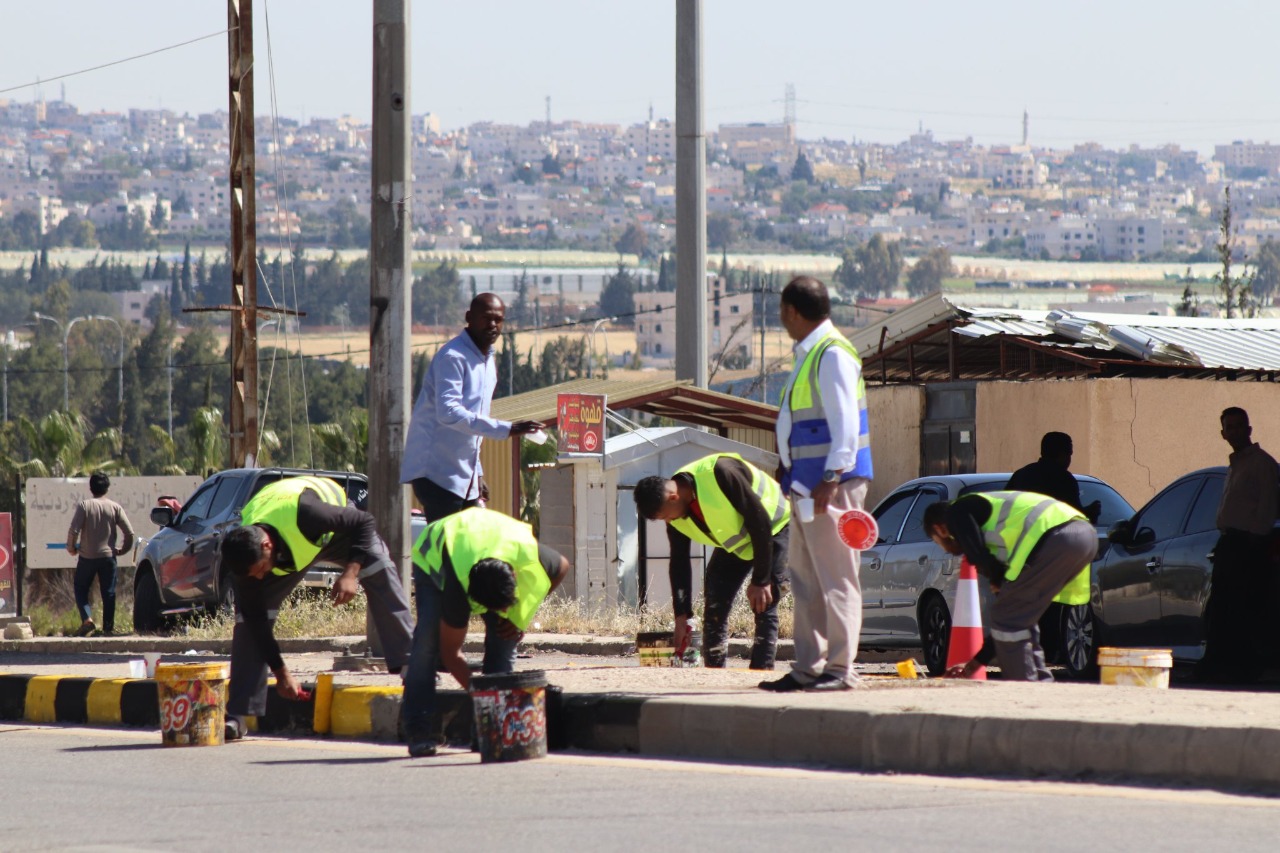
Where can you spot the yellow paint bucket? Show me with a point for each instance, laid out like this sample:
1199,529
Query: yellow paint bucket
193,703
1135,667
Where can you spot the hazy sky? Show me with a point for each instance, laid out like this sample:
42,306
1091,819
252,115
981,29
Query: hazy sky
1133,71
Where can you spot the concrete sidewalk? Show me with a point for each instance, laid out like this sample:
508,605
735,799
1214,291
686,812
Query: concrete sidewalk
1226,739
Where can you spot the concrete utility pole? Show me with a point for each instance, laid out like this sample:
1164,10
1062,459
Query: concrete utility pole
391,261
691,198
244,242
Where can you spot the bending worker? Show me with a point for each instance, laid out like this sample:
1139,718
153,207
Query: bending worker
1034,550
725,502
290,525
474,561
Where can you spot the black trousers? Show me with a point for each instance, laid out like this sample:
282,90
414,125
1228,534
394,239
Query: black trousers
725,576
437,501
104,569
1236,615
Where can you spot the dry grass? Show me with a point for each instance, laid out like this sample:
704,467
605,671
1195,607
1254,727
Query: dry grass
567,616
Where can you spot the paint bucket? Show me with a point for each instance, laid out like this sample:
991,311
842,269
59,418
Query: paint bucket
656,648
510,715
193,703
1135,667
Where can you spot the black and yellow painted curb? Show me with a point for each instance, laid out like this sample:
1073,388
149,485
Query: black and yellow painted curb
76,699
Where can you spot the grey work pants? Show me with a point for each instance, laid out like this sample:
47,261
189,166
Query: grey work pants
1059,557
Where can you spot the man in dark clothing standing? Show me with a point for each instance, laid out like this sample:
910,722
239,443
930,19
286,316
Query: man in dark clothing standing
1237,613
288,526
726,502
1050,475
91,538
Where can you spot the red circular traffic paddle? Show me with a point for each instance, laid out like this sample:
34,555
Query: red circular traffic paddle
858,529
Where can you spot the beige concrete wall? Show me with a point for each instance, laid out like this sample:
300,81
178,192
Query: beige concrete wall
1137,434
894,413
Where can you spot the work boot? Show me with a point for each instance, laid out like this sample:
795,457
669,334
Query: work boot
234,729
86,628
424,748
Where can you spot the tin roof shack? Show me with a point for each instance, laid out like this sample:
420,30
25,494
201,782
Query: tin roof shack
588,514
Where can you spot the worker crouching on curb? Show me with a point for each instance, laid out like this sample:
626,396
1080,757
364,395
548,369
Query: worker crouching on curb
290,525
726,502
1034,550
474,561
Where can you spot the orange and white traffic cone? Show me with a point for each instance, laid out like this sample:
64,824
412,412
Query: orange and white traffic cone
966,622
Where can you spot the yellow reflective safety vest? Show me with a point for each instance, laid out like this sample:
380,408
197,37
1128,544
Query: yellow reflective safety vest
809,442
723,521
277,505
477,534
1018,521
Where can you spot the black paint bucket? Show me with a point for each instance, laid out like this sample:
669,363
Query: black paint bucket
511,715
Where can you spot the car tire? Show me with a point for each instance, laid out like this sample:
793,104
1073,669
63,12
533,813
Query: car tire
226,605
935,634
147,618
1078,630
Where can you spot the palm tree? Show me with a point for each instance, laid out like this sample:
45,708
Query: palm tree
344,446
59,445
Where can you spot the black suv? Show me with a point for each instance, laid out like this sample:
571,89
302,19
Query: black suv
179,569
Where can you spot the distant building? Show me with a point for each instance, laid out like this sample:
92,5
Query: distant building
730,323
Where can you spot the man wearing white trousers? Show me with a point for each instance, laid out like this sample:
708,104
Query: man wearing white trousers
824,447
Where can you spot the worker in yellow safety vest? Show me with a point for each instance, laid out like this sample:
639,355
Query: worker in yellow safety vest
1034,550
731,505
476,561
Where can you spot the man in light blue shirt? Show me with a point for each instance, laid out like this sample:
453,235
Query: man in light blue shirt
451,416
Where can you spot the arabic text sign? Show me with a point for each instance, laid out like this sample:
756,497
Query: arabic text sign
580,422
8,575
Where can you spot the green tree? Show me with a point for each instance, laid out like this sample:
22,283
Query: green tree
871,269
62,444
437,297
720,231
1236,290
634,241
1266,275
617,298
802,170
928,272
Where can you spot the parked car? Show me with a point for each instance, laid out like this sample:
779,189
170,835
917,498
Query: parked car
179,569
1150,588
909,583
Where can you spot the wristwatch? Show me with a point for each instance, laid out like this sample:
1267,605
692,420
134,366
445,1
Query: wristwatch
829,476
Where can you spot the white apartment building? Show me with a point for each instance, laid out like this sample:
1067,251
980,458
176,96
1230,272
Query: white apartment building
1130,238
652,139
730,322
1061,237
1248,155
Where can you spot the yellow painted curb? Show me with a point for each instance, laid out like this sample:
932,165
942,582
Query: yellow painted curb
350,714
102,704
322,710
41,692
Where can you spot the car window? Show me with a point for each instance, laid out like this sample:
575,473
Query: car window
1204,512
1114,507
357,492
226,494
891,512
1166,512
197,509
913,530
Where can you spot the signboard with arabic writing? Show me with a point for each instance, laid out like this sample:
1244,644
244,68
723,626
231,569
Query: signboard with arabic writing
8,575
580,423
52,501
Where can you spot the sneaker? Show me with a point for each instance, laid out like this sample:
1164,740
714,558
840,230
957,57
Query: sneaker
786,684
86,628
422,748
234,729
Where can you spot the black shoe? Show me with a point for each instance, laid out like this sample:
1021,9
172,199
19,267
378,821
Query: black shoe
85,629
786,684
422,748
233,730
827,684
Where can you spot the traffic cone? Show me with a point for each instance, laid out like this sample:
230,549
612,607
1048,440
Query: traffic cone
966,622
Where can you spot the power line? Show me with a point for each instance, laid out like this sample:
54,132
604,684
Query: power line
115,62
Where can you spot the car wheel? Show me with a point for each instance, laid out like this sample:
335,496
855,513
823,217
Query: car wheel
1078,631
935,634
147,618
226,595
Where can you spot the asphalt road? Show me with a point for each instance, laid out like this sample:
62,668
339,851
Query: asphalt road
87,789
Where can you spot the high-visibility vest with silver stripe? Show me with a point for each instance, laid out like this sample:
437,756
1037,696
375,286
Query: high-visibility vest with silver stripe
810,440
277,505
723,521
1018,521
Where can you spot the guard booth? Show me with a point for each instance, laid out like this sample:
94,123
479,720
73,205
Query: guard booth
589,515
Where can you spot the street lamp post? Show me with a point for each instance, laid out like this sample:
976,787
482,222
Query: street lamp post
66,331
592,355
119,360
66,366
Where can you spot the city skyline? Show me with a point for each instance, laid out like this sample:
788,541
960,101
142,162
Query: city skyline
1149,76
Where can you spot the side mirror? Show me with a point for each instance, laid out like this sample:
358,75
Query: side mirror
1120,531
161,516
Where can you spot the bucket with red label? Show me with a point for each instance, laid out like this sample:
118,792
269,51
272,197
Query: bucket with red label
511,715
193,703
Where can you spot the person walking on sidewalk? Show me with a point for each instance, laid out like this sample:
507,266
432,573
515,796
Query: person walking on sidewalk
288,526
91,539
824,448
1051,475
1237,636
726,502
474,561
1034,550
451,416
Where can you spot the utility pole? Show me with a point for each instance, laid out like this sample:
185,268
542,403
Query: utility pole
391,262
244,240
691,199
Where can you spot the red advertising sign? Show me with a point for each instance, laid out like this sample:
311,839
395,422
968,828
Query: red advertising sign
580,422
8,574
